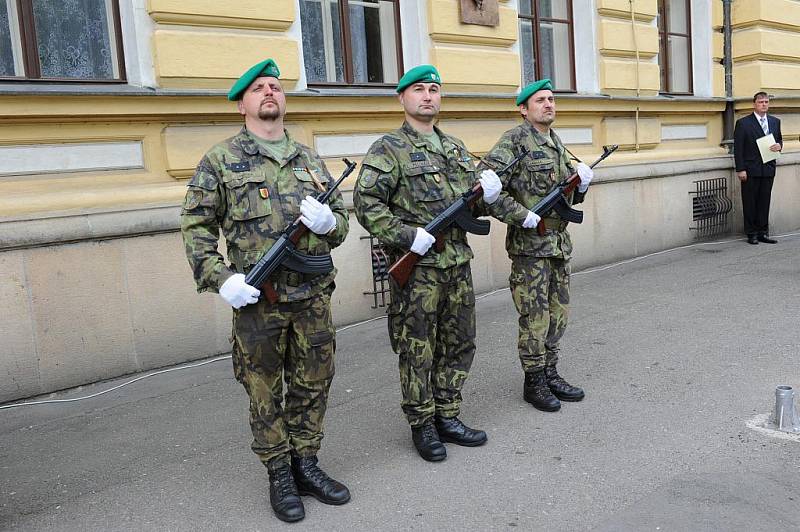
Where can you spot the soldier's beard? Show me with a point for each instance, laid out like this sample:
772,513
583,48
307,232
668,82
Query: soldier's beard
270,113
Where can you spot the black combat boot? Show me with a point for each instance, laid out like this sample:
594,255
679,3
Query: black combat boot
452,430
561,388
311,480
283,495
427,442
537,393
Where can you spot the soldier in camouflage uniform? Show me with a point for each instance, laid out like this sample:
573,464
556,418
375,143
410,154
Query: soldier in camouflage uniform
407,178
252,186
540,266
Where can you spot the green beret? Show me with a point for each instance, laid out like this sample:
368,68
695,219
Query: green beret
533,88
419,74
264,68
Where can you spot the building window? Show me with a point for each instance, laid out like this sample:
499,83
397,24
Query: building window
546,42
675,46
351,42
60,40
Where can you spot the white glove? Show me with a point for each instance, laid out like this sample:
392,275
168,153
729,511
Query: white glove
237,293
491,186
586,174
422,242
317,216
532,220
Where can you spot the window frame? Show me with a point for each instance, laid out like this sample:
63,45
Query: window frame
29,47
536,21
663,49
347,51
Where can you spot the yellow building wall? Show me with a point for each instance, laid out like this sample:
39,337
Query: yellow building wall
473,58
623,35
766,47
205,44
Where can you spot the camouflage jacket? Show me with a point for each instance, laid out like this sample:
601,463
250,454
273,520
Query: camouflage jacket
528,182
404,183
240,189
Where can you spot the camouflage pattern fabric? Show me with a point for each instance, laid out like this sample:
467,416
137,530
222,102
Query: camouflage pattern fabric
294,340
545,166
540,290
405,181
432,329
539,279
240,189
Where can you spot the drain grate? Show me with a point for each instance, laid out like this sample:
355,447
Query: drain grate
380,273
710,207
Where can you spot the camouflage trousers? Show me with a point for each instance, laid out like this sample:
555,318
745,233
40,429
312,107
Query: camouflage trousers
432,329
540,290
292,342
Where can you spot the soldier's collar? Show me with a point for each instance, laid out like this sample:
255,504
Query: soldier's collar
540,139
251,147
417,139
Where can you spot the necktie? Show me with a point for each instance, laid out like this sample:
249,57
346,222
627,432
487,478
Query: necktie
763,121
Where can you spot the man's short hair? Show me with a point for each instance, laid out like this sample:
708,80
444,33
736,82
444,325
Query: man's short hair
760,94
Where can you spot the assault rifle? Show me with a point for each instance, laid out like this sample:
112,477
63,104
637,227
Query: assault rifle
460,213
283,252
556,199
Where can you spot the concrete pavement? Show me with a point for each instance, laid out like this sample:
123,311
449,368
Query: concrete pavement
677,351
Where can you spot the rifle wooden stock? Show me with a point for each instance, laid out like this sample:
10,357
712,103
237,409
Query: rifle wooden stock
401,269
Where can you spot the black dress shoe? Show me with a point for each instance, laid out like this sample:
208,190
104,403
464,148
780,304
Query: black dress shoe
537,392
283,496
311,480
452,430
427,442
767,240
752,239
561,388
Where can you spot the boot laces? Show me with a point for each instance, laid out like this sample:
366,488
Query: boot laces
429,431
284,482
315,474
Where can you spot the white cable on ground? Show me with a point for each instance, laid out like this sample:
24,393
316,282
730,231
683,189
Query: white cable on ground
226,357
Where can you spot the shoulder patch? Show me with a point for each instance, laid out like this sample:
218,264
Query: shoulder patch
368,177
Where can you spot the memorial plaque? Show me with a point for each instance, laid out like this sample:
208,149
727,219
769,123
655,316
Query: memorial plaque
482,12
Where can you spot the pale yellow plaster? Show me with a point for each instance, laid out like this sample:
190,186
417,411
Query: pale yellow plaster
718,85
717,16
780,13
717,46
762,43
619,76
477,70
616,39
216,59
624,131
643,9
273,15
444,25
776,78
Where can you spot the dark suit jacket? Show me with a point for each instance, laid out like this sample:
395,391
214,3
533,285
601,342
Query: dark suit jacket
745,150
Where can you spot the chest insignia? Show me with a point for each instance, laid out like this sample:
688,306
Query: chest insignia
242,166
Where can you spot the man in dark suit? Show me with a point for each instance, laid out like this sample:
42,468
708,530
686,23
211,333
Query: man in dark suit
755,175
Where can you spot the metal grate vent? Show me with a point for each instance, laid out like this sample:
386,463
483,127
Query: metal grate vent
380,273
710,207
